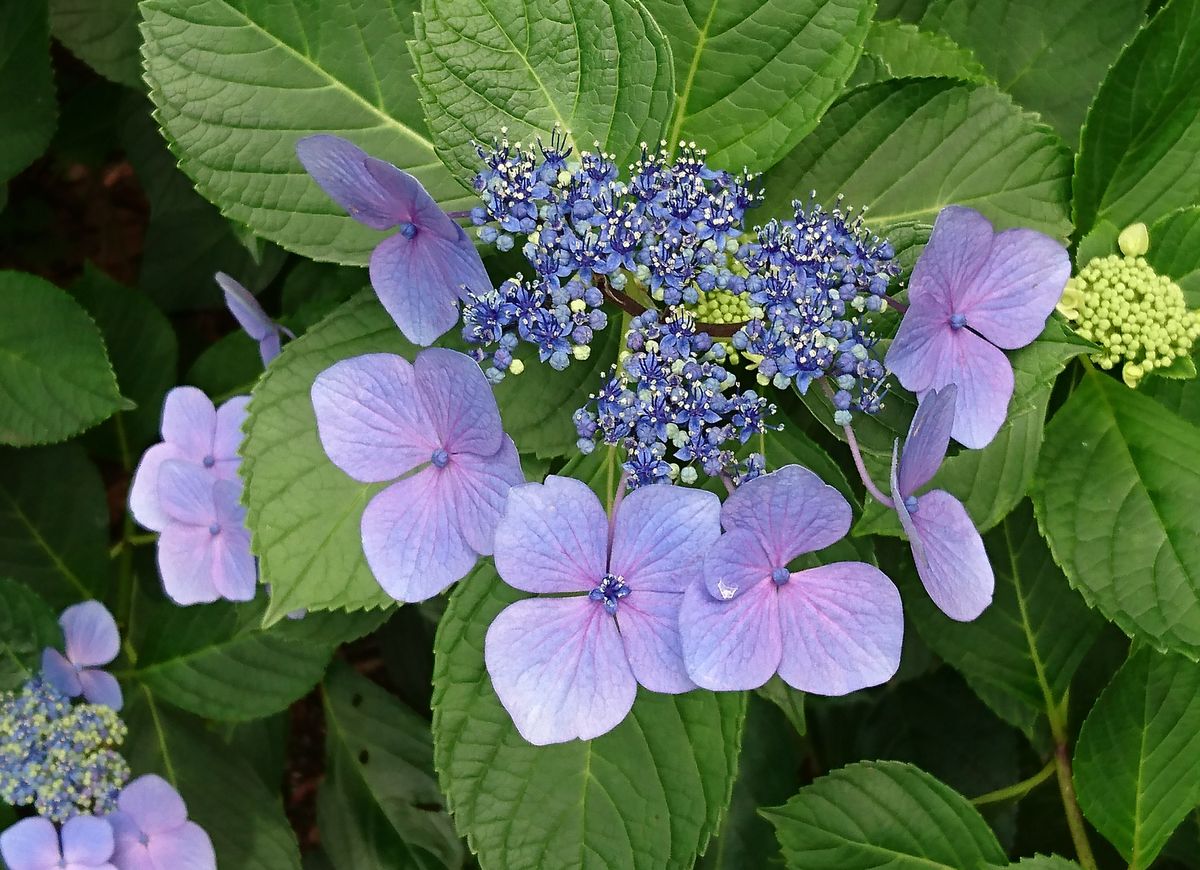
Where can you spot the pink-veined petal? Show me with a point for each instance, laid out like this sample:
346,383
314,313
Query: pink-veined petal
411,202
152,804
921,352
735,562
984,378
927,439
659,535
459,402
951,560
649,625
419,281
792,511
189,421
731,645
479,487
91,634
956,254
184,848
185,563
340,168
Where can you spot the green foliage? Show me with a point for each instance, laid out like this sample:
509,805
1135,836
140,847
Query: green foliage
648,794
882,814
907,148
103,34
1115,494
753,77
1175,251
900,50
28,110
599,69
1137,764
27,626
54,371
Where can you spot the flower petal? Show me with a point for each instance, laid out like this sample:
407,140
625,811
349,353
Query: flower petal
101,687
235,573
143,489
649,625
185,848
91,634
459,402
957,252
418,281
792,511
734,563
245,309
370,418
411,538
152,804
60,673
412,202
559,669
921,352
479,488
227,440
185,563
951,560
927,439
553,537
660,533
189,420
268,348
130,852
731,645
87,840
30,843
185,492
842,626
340,168
984,378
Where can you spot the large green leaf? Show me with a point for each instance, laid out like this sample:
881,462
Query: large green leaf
224,796
1020,655
379,805
1116,495
753,77
27,626
237,82
27,106
55,377
1052,55
599,69
901,50
882,814
906,148
1137,763
1138,157
103,34
1181,396
1175,250
648,794
1045,862
54,523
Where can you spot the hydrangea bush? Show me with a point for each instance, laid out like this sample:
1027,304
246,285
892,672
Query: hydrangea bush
764,434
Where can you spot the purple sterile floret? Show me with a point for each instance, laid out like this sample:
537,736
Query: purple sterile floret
946,546
379,418
195,432
251,317
828,630
568,666
92,640
85,843
975,293
204,548
153,832
422,270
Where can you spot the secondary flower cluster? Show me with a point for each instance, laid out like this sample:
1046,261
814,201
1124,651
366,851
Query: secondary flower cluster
672,405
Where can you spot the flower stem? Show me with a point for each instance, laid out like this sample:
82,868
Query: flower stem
897,304
1066,786
852,442
1017,790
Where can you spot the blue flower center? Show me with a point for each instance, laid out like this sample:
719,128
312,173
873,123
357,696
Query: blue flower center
209,461
144,839
958,321
610,590
214,529
781,575
440,458
910,504
408,230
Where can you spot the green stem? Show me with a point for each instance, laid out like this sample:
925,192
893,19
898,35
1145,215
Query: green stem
124,550
1066,785
1017,790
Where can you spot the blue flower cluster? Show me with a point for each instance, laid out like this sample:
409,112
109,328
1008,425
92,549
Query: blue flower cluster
671,405
58,758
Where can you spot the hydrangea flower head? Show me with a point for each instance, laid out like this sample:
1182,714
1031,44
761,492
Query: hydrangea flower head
195,432
975,293
422,270
567,664
380,418
204,547
153,832
828,630
92,640
251,317
85,843
946,546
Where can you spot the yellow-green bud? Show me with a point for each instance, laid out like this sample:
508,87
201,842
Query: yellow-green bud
581,352
1134,240
577,305
516,367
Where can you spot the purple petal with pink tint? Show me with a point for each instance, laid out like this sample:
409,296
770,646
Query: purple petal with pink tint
227,436
927,439
479,487
559,669
152,830
951,559
984,378
458,402
31,844
659,535
792,511
245,309
87,841
735,562
340,168
101,687
187,847
185,492
411,538
921,352
189,420
649,625
235,574
185,563
419,282
91,634
842,628
143,489
60,673
411,201
954,257
370,417
152,804
731,645
553,537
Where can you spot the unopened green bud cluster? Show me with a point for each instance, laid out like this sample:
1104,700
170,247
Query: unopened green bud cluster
721,306
1135,315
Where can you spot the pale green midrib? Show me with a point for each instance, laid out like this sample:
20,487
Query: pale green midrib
168,767
684,97
1051,703
224,647
1134,862
41,542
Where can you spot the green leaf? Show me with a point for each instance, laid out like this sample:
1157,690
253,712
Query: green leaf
908,148
789,701
1138,152
27,626
1020,655
906,51
600,69
230,366
1137,762
904,10
1115,494
1182,397
1045,862
882,814
54,523
27,106
753,77
54,372
244,819
296,68
379,805
1175,251
1051,56
649,794
103,34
